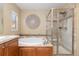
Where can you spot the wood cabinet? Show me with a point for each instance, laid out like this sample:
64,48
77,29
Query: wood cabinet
9,48
1,49
36,51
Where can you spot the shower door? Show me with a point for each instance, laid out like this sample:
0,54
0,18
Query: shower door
65,41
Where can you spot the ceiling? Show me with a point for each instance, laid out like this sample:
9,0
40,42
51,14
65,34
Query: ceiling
38,6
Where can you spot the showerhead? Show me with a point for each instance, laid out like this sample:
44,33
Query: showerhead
63,13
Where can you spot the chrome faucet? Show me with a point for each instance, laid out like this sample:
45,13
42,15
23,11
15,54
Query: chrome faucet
46,41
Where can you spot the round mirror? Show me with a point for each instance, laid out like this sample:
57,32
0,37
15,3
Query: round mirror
33,21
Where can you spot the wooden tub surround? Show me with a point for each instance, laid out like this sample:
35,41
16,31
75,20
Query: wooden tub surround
35,51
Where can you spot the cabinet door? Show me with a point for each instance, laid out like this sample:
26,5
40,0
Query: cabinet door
27,51
44,51
2,50
11,51
11,48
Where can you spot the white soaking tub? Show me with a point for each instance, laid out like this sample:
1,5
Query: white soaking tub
31,41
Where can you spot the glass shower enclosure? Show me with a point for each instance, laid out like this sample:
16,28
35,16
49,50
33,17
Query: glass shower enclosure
60,26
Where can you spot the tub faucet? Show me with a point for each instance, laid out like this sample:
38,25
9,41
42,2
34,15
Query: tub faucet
45,42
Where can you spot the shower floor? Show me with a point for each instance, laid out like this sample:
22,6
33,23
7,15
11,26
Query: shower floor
61,51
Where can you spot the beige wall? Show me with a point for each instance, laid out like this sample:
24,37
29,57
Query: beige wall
1,14
40,30
24,28
76,25
7,19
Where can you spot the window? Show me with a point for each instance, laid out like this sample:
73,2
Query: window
14,19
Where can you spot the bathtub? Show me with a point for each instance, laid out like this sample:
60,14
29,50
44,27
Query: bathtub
31,41
5,38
